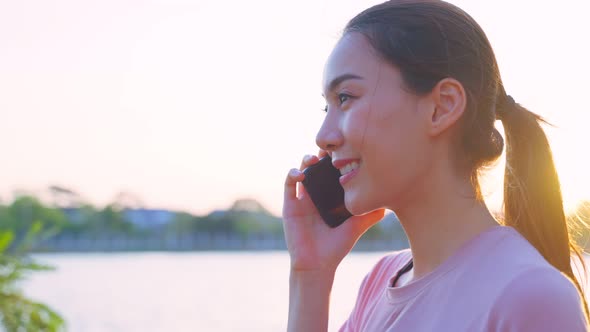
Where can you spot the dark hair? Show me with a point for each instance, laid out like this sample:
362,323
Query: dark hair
429,40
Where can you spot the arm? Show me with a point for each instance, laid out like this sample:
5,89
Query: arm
309,300
315,251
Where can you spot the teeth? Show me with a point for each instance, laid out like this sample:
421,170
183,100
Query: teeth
349,168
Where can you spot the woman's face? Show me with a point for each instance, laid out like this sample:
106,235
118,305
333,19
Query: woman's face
374,128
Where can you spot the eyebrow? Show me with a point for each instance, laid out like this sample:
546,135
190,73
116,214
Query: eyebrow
344,77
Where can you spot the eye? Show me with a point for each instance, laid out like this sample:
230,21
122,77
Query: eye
343,97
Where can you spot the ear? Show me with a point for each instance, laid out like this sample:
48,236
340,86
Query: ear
449,101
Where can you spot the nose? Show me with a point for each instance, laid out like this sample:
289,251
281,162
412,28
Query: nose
329,136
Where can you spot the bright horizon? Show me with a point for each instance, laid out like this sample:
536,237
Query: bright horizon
192,105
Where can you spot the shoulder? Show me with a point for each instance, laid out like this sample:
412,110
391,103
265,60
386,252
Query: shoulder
395,259
539,299
388,265
378,277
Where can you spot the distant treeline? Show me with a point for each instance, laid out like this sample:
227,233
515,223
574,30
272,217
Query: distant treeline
245,225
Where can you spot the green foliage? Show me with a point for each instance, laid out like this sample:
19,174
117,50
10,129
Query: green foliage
24,215
112,220
246,218
85,220
247,223
92,222
239,222
18,313
183,223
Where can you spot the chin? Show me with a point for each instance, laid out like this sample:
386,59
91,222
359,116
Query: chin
356,205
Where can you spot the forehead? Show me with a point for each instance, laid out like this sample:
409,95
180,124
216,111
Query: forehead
352,55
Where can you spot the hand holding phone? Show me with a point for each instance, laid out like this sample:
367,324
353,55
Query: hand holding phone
325,191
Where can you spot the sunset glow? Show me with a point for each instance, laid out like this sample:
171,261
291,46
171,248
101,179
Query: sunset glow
191,105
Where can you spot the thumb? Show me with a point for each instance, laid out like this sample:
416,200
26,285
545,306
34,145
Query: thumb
366,221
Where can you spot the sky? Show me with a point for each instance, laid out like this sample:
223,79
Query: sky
190,105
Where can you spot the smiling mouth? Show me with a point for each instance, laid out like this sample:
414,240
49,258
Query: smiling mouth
349,168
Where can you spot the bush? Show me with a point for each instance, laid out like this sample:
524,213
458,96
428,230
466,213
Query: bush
18,313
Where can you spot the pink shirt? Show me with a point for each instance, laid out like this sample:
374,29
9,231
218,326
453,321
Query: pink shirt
495,282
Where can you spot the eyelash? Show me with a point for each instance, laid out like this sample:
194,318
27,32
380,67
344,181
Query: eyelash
340,97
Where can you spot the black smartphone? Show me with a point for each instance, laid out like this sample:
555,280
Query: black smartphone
323,187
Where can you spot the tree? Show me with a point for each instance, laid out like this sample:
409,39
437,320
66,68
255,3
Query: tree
17,312
26,210
112,221
64,197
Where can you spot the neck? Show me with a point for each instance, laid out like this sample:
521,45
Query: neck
440,220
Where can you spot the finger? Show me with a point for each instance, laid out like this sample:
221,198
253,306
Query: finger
293,178
308,160
301,192
366,221
322,153
371,218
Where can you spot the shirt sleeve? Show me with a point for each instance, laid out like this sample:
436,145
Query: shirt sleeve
540,300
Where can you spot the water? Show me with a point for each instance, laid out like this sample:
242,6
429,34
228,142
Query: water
202,291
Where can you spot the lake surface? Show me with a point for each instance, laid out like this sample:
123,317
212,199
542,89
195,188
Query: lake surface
196,291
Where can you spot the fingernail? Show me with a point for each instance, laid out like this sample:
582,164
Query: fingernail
294,172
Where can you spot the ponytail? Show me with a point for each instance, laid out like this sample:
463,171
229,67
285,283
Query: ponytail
532,197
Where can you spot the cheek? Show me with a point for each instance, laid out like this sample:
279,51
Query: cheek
396,151
356,126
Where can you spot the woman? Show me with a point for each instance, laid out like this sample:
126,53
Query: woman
413,90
